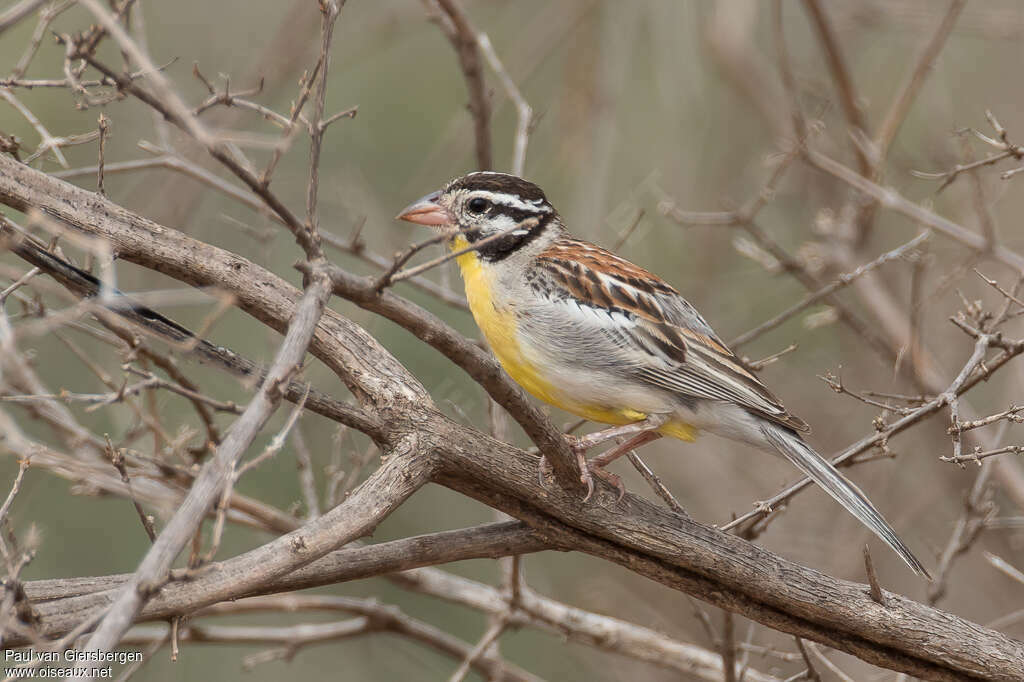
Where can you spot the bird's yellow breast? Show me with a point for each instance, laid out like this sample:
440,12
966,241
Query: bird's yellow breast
500,327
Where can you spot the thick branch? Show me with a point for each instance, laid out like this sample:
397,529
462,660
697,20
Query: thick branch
63,603
725,570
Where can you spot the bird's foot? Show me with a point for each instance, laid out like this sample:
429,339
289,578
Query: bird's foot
591,469
588,470
641,432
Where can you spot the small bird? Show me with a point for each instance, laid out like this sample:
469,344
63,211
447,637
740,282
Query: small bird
595,335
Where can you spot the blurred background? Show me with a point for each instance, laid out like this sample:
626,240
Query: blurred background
636,104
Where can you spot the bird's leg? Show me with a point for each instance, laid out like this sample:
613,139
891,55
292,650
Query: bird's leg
606,458
595,465
643,431
652,422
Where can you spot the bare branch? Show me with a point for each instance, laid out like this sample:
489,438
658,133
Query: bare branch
17,12
908,93
843,80
892,200
464,39
843,280
524,113
153,570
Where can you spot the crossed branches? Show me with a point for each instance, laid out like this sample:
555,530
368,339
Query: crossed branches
419,445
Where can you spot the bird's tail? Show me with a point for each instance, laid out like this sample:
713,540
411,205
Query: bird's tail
819,470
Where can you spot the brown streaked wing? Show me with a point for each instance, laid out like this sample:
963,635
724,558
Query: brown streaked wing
601,279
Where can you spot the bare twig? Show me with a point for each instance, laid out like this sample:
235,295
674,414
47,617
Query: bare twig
390,278
307,478
811,673
869,567
117,459
464,39
153,569
758,365
728,647
23,465
843,280
17,12
48,142
1005,567
489,637
329,11
967,379
814,649
1012,415
524,113
892,200
652,480
978,508
848,97
908,92
104,128
978,454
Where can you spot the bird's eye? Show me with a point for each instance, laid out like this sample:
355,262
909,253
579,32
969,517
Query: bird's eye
478,205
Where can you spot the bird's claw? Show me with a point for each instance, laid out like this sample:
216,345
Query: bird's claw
585,478
588,470
543,471
608,477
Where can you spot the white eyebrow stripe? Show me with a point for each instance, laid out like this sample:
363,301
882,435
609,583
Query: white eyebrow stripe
513,201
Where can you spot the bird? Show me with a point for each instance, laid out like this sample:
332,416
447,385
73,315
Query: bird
589,332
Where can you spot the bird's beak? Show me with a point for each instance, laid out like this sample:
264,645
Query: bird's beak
426,211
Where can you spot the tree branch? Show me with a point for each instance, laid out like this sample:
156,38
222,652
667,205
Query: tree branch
354,355
209,485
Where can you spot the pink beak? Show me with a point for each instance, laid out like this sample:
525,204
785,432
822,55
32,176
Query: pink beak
426,211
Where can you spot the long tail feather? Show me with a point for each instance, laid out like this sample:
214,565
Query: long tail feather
819,470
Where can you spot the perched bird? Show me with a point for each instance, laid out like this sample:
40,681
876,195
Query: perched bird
593,334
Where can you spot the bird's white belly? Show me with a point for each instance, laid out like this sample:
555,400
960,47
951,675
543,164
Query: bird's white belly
595,394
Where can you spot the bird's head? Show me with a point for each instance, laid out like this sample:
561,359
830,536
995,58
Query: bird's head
497,212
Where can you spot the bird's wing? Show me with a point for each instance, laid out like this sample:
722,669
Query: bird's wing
667,342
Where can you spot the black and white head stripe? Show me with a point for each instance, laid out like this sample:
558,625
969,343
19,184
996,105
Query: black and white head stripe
488,203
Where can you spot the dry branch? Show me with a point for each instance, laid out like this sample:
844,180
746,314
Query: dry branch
725,570
63,603
258,292
419,444
216,473
464,39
